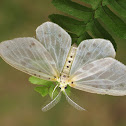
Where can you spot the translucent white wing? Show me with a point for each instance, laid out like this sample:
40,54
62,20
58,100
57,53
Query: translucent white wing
52,103
56,40
91,50
30,56
104,76
71,102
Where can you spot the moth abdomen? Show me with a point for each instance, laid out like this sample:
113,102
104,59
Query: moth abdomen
69,61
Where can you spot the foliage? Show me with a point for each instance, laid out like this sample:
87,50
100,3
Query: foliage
97,19
45,88
38,81
42,90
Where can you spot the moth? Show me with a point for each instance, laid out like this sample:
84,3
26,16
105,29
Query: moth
89,67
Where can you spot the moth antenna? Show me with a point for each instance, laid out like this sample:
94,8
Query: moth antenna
52,103
71,102
54,90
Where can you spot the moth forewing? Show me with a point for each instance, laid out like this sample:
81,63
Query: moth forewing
56,40
25,54
91,50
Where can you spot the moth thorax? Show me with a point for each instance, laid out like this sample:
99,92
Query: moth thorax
69,60
66,69
64,78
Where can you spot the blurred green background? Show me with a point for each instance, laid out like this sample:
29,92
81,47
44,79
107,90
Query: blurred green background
20,105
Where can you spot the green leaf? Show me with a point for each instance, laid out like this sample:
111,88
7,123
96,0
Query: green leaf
84,36
98,20
98,31
94,3
122,3
38,81
42,90
51,90
69,24
93,29
74,37
117,7
73,9
105,2
105,33
113,22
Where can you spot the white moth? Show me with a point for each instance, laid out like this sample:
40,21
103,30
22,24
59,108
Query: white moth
89,67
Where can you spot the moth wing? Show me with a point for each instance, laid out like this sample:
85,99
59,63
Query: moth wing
91,50
104,76
56,40
29,56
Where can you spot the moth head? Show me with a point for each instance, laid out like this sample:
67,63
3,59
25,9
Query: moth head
63,87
